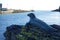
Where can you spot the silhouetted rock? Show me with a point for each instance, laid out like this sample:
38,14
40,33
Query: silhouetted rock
27,32
29,38
12,31
56,10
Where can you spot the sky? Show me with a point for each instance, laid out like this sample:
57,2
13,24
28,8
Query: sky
31,4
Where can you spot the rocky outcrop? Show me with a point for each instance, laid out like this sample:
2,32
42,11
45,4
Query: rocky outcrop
11,32
56,10
55,35
28,32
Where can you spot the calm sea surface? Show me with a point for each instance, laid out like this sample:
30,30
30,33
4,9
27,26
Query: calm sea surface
22,19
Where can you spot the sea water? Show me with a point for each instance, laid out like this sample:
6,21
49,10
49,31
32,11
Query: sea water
22,18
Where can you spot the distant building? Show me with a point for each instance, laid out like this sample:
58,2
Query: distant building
4,9
0,6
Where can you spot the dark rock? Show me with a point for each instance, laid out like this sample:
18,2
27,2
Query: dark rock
37,34
11,32
33,28
57,10
29,38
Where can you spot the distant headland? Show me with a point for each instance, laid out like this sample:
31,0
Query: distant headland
5,10
56,10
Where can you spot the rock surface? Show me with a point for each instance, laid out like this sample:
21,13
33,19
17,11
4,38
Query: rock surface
56,10
11,32
27,32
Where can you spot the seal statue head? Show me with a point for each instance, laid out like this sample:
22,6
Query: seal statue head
31,15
